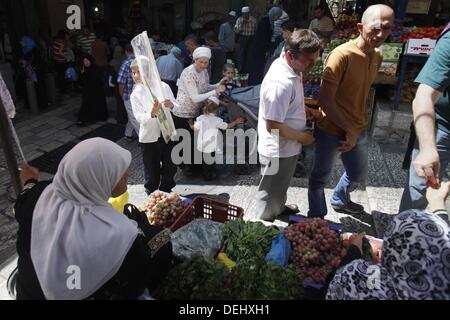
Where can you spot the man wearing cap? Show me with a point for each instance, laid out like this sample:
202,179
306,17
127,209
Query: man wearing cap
226,34
245,29
170,68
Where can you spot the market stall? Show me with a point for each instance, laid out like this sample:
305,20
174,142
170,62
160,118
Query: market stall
220,256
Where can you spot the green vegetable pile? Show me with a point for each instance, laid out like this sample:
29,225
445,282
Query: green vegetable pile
261,280
248,240
197,279
253,278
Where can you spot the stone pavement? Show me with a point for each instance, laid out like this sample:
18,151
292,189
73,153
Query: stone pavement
47,131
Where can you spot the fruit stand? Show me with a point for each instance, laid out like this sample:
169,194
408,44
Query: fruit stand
220,256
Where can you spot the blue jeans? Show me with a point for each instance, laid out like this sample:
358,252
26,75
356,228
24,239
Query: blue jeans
414,193
355,163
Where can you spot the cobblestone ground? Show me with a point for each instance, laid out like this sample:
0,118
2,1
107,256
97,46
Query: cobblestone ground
381,195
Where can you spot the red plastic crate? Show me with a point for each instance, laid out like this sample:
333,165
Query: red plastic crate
210,209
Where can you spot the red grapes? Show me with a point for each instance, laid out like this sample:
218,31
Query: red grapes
315,249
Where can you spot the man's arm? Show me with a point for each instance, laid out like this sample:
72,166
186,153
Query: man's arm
121,89
287,132
427,163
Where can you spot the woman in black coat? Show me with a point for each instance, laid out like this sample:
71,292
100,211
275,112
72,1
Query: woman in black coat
73,245
93,107
262,46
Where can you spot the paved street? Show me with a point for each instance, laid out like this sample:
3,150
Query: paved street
47,131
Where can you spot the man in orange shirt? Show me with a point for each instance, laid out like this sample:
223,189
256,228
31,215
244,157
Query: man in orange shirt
349,72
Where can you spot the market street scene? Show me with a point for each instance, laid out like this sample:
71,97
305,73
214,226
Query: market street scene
224,150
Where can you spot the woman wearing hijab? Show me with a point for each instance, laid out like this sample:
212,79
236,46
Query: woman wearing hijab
193,89
262,46
415,260
72,244
34,68
93,107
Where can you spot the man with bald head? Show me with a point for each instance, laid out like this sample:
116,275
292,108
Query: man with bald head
349,72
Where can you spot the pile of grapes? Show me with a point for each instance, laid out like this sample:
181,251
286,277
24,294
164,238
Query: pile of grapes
316,249
163,209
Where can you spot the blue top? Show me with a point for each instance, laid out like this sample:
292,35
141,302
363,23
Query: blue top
125,77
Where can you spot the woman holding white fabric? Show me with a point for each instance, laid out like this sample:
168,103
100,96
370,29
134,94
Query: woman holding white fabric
193,89
72,244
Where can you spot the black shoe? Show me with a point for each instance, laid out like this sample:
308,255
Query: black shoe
350,208
130,138
81,123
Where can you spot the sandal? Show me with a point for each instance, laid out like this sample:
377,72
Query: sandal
290,209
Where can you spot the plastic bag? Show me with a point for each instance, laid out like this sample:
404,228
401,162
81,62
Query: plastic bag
280,251
71,74
119,202
200,237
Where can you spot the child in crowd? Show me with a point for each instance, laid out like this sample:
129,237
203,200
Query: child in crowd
207,126
158,166
229,73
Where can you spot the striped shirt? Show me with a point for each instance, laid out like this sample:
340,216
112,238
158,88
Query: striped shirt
59,51
85,42
245,27
125,77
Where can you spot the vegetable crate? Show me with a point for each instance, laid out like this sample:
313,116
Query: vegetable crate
211,209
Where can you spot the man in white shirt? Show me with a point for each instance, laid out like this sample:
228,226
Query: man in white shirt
170,68
322,25
282,122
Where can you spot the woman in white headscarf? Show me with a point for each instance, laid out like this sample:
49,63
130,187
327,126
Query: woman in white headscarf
72,244
193,89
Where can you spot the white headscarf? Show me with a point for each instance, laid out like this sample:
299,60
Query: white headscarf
75,229
201,52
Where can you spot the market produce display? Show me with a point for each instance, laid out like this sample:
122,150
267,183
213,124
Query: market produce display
346,26
197,279
248,240
260,280
316,249
421,32
312,80
409,87
163,209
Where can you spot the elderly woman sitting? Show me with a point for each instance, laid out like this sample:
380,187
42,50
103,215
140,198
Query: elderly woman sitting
415,260
72,244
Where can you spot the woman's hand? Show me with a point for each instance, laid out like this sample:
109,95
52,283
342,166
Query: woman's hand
224,80
436,196
357,240
155,109
239,120
220,89
27,172
168,104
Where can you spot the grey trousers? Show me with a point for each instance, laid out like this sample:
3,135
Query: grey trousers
132,125
272,191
